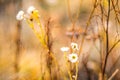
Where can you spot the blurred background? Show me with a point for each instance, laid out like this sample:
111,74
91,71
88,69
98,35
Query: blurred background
19,43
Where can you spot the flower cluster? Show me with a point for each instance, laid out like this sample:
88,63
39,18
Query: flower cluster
32,17
32,12
73,57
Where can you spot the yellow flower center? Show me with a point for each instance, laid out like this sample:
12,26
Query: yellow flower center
74,46
73,57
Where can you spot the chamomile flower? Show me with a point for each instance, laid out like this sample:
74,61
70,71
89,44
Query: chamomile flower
74,46
31,9
20,15
65,49
33,13
73,57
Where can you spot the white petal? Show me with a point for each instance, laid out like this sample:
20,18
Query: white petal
20,15
30,9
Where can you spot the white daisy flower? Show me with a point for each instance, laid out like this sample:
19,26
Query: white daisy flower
30,9
20,15
65,49
74,46
73,57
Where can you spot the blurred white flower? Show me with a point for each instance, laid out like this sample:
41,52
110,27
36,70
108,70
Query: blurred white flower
74,46
52,2
30,9
74,76
20,15
73,57
64,49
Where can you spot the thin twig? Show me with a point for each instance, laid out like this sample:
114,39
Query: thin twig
116,14
18,45
87,24
113,75
115,63
113,46
107,39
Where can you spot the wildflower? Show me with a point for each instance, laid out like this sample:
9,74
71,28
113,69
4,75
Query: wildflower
74,46
64,49
33,13
20,15
73,57
31,9
74,76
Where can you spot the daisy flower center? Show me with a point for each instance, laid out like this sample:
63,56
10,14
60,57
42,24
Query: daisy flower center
73,57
